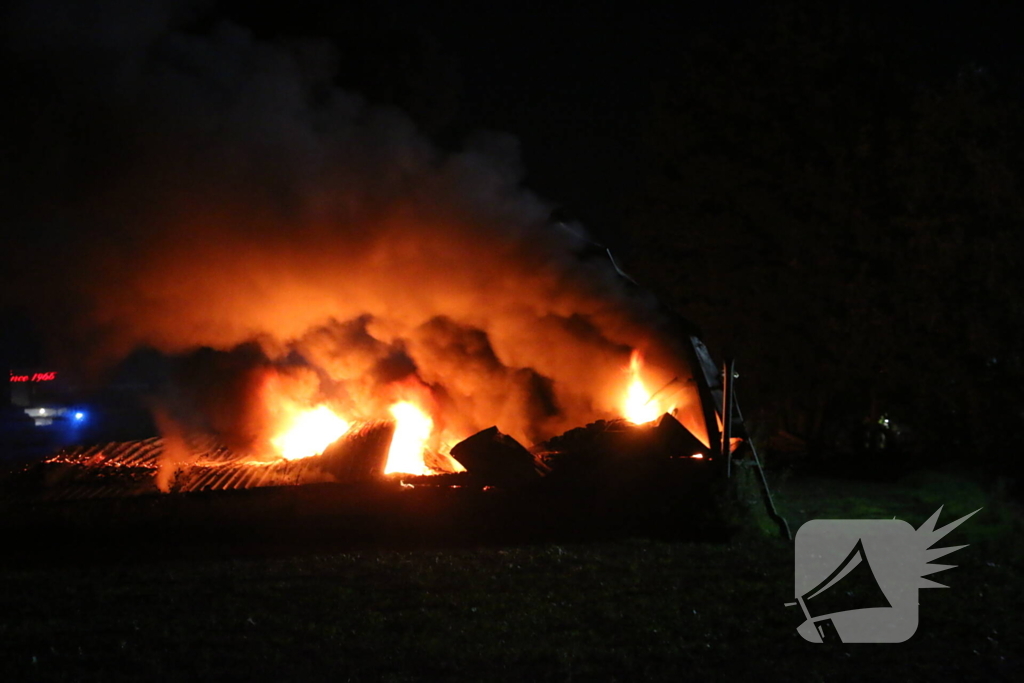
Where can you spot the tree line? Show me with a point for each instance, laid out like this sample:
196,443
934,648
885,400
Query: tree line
850,230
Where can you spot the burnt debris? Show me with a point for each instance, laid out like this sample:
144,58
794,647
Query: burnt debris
496,459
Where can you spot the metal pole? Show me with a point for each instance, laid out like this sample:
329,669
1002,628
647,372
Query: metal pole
726,450
729,403
772,511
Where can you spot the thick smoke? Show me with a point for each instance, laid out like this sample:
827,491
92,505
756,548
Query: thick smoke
209,190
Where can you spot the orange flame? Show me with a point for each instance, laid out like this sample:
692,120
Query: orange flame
309,432
412,433
638,406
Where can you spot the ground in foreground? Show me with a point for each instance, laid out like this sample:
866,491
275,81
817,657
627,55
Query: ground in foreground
624,610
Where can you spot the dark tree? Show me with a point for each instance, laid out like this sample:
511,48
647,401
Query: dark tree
850,231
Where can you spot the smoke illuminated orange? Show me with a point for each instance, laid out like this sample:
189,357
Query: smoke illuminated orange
638,406
310,432
412,431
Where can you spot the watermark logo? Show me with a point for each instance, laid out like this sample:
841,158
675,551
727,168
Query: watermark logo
857,579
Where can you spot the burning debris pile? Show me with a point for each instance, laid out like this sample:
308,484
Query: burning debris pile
352,478
99,499
316,445
313,291
590,451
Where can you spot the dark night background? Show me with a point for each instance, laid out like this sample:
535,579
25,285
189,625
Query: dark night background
832,195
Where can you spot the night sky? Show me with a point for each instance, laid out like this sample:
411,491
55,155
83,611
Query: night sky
575,81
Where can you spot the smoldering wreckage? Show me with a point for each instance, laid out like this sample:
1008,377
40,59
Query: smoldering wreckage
357,326
397,479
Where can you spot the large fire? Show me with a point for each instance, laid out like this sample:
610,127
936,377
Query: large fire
640,406
412,433
309,433
306,432
302,275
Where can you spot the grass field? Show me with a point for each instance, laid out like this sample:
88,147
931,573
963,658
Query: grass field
625,610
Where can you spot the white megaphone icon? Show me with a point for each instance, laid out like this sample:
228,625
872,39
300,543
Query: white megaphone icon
845,597
851,586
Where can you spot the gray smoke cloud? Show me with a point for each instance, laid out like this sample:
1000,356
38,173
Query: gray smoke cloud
190,190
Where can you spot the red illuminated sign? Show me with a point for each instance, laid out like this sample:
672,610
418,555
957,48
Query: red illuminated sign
34,377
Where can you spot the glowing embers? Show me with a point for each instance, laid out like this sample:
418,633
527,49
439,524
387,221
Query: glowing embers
309,432
639,405
413,428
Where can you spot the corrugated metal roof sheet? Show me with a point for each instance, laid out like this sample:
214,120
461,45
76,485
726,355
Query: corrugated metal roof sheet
130,468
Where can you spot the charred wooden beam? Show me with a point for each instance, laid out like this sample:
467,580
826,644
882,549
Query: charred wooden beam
360,455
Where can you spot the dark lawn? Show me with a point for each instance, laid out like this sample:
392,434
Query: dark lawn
626,610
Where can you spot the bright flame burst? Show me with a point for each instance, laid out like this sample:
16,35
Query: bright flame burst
638,407
309,433
412,431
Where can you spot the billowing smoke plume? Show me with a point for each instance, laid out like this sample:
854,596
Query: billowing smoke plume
185,190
